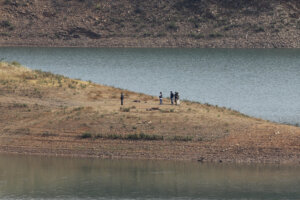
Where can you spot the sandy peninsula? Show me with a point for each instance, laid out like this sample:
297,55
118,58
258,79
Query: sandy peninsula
47,114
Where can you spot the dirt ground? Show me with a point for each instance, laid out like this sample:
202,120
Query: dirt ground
48,114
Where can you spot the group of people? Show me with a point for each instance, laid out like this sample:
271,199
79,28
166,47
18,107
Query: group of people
174,97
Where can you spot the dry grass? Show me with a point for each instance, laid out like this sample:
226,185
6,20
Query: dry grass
44,113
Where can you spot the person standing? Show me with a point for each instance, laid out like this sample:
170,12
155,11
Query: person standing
172,97
160,98
122,98
176,97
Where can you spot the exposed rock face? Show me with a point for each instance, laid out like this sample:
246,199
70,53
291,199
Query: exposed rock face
156,23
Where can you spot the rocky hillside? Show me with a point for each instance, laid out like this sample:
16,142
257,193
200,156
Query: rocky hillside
155,23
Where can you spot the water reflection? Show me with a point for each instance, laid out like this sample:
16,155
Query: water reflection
50,177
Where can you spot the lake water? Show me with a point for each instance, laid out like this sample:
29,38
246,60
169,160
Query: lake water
259,82
29,177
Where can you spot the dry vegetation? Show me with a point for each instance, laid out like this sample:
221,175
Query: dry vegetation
156,23
44,113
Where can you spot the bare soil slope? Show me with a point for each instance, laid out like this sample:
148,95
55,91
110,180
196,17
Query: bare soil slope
156,23
47,114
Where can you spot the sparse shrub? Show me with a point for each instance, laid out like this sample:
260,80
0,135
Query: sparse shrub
182,138
114,136
15,63
146,34
7,2
164,111
215,35
138,11
4,35
71,86
7,24
82,85
172,26
125,109
231,26
196,35
86,135
143,136
132,136
47,134
78,109
161,34
259,29
23,131
150,137
19,105
98,6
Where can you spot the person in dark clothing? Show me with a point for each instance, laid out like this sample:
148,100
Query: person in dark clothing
172,97
176,97
122,98
160,98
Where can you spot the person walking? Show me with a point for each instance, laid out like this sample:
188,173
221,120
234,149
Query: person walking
122,98
172,97
160,98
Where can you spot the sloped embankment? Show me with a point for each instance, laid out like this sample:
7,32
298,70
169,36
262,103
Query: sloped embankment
48,114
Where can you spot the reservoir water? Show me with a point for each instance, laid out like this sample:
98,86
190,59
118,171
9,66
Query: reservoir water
259,82
29,177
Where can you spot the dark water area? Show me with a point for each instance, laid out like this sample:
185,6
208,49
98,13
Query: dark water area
262,83
29,177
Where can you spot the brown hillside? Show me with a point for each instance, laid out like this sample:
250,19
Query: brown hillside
156,23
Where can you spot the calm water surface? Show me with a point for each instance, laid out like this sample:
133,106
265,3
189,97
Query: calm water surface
259,82
66,178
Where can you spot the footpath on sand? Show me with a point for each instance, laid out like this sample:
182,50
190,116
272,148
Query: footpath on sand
48,114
